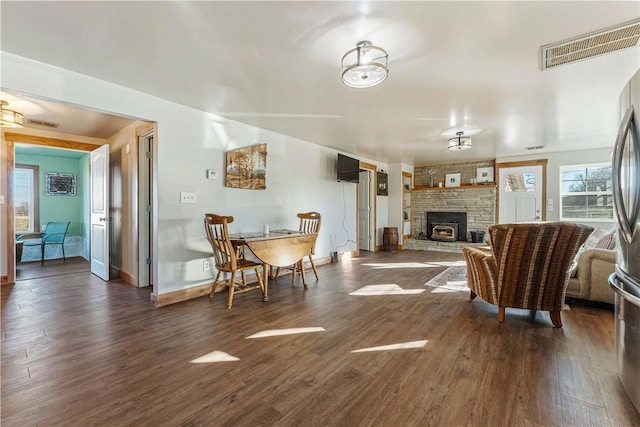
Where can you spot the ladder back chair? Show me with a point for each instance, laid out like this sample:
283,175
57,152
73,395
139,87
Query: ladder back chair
310,224
227,259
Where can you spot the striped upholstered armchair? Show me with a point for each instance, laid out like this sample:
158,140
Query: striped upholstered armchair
527,267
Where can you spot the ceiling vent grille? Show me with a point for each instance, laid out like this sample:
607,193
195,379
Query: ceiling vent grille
589,45
42,123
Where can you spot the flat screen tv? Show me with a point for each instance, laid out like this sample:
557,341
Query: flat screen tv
348,169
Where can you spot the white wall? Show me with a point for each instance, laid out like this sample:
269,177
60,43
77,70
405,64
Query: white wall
300,175
565,158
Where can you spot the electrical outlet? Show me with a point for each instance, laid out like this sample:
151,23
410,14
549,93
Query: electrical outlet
206,265
188,197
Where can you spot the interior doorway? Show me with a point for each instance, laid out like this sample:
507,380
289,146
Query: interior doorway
48,181
11,139
145,192
367,207
364,211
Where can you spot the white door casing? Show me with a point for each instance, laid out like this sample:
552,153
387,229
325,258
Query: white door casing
363,210
145,211
521,194
99,217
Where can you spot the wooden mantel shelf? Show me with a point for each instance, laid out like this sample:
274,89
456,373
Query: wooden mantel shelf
465,186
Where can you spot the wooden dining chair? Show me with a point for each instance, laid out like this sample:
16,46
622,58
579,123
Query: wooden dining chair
227,258
309,223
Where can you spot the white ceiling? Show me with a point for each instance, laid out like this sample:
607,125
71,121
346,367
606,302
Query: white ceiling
70,119
276,65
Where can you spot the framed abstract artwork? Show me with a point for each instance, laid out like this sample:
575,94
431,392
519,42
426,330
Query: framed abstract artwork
60,184
247,167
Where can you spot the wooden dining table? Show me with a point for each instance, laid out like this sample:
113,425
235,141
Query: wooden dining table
279,248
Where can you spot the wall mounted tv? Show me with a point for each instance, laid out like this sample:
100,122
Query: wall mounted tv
348,169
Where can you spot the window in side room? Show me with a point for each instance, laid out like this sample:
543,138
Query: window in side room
26,199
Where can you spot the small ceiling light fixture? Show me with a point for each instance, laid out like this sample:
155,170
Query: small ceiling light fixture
365,66
9,118
459,143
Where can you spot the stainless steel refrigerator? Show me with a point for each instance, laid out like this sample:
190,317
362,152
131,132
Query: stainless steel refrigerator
626,279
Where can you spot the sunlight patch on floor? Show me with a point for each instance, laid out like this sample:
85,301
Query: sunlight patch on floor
459,263
452,286
377,265
400,265
390,289
287,331
399,346
215,356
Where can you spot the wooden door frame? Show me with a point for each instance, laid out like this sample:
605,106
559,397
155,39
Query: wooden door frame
406,174
518,164
374,184
11,138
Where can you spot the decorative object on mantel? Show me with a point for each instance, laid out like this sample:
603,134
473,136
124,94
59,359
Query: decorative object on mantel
247,167
382,179
452,180
459,143
60,184
364,66
431,172
484,175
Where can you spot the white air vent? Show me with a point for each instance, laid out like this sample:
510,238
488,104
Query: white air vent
42,123
589,45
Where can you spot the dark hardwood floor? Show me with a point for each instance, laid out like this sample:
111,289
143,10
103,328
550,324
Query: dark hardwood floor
77,351
51,267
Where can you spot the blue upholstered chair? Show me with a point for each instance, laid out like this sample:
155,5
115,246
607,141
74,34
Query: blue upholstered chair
54,234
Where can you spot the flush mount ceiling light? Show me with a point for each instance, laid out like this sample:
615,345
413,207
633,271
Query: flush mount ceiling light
365,66
9,118
459,143
467,128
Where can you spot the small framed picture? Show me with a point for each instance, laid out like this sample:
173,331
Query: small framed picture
484,174
452,180
60,184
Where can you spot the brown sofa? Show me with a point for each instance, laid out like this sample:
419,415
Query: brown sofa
590,281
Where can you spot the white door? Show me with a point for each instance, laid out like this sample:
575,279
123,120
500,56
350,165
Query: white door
520,194
99,230
363,211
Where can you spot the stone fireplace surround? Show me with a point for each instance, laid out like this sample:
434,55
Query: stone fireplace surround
478,201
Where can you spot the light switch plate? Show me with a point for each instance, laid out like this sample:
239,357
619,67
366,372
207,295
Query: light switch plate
212,174
186,197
